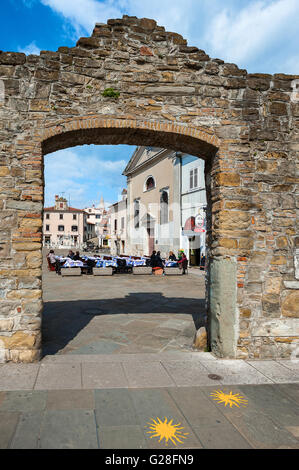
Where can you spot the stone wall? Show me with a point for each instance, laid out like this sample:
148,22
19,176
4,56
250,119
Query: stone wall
174,96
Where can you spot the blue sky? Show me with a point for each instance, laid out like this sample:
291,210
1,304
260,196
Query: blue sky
259,35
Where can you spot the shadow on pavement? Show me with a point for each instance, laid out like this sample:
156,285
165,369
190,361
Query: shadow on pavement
63,320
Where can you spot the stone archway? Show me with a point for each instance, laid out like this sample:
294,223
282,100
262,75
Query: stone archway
174,96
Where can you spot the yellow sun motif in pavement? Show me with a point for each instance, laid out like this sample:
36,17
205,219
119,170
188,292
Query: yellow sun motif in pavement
229,398
167,430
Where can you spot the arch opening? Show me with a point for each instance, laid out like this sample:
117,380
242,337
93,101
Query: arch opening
178,144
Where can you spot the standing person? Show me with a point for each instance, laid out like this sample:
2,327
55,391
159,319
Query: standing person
153,259
159,261
183,262
172,256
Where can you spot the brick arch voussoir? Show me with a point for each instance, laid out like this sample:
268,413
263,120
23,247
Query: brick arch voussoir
98,130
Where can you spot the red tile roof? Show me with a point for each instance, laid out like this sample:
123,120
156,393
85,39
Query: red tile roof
69,209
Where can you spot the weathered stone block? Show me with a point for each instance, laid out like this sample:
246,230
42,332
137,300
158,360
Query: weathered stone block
228,179
234,219
290,304
272,285
26,246
23,294
18,340
34,259
12,58
30,355
271,305
200,340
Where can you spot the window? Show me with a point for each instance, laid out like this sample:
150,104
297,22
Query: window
47,228
136,213
115,224
47,216
164,207
122,223
194,178
195,174
98,216
60,228
60,216
150,183
74,228
61,204
74,216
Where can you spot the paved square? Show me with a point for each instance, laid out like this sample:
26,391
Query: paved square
121,314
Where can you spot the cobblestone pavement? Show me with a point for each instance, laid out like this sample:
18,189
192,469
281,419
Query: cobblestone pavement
123,313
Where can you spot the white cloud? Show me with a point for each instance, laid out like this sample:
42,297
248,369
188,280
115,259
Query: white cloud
84,14
31,48
81,173
242,35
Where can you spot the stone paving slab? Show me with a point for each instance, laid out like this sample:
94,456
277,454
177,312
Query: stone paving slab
25,401
8,424
268,399
291,391
188,373
27,435
122,437
106,375
69,429
260,431
58,376
114,407
205,413
236,372
276,371
141,375
221,437
18,376
157,403
70,399
290,364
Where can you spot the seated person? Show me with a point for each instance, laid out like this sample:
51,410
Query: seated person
172,256
77,256
52,258
71,254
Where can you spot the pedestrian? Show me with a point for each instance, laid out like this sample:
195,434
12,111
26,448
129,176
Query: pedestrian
153,259
159,261
183,262
172,256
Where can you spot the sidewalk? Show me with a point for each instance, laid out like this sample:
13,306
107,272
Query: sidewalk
175,369
107,401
